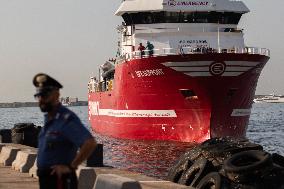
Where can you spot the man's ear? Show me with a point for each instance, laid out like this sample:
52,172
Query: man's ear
56,94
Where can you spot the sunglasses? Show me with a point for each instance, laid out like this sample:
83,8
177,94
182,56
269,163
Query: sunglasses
42,95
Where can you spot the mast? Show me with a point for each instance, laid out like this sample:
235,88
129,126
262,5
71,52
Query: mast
218,39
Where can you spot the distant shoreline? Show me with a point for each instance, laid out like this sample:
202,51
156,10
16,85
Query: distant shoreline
35,104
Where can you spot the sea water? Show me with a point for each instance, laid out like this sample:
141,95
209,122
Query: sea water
154,158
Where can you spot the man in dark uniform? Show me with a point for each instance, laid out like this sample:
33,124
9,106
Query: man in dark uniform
60,138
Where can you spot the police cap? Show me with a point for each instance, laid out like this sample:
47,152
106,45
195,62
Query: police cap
45,84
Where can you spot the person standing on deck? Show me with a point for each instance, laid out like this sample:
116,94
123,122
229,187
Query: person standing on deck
141,48
60,138
150,48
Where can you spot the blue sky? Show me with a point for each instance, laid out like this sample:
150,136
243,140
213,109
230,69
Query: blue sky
68,39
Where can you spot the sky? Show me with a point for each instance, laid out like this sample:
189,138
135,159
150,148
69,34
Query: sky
69,39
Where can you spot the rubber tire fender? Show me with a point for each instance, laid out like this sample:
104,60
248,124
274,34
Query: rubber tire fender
242,166
5,136
19,127
183,163
278,160
196,172
210,180
222,140
227,146
178,169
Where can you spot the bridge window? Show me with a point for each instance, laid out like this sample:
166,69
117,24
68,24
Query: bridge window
181,17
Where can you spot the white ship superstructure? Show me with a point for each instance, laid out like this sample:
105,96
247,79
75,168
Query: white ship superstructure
173,25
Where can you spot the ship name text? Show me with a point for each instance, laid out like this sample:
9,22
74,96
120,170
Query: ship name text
174,3
193,43
148,73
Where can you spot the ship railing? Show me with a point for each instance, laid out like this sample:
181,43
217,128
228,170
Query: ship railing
195,50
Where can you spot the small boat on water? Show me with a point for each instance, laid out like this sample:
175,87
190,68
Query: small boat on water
270,99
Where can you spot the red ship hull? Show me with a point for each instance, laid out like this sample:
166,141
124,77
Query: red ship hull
188,98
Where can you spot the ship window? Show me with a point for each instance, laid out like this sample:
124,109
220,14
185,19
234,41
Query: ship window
139,18
171,17
127,18
159,17
188,94
181,17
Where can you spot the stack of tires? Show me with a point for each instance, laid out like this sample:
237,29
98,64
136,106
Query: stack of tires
223,163
5,136
25,133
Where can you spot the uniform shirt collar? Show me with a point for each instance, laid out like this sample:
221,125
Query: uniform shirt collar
59,111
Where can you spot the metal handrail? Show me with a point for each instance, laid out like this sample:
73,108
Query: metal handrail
195,50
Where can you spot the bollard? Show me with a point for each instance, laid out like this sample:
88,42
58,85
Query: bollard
33,170
1,145
86,177
97,157
8,155
24,161
112,181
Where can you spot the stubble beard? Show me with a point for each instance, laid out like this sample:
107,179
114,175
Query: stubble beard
46,107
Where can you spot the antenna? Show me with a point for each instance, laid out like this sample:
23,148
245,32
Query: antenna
99,74
218,39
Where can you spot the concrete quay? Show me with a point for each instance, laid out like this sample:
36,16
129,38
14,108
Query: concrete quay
11,179
19,171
